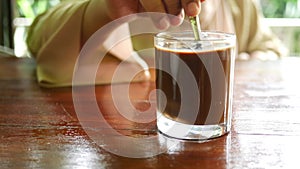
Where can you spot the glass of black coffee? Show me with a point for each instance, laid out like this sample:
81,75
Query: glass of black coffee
194,84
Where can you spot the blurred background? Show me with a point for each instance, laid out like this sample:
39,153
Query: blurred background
16,16
282,16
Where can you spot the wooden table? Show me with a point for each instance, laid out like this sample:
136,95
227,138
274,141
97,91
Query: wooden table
39,127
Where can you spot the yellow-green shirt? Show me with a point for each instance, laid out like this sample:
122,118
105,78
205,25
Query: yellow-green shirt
54,39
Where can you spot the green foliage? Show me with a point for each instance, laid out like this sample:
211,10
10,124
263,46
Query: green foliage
281,8
31,8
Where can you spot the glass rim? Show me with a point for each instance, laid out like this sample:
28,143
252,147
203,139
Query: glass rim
168,36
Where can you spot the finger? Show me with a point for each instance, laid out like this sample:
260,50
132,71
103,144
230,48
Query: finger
191,7
117,9
177,20
163,23
153,6
160,19
172,7
141,8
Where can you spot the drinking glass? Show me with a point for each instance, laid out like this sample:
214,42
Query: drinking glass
194,83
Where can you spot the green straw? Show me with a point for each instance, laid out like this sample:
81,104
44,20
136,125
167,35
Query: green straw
195,23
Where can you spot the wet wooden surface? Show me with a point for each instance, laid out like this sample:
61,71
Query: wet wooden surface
39,128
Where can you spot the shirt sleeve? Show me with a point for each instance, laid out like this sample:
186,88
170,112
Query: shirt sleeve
54,40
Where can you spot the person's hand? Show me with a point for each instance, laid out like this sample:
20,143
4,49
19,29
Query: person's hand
101,12
176,8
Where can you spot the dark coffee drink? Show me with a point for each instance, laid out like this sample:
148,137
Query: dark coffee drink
214,98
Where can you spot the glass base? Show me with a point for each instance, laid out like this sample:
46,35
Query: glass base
190,132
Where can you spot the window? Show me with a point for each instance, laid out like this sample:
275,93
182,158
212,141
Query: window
26,11
283,17
6,32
